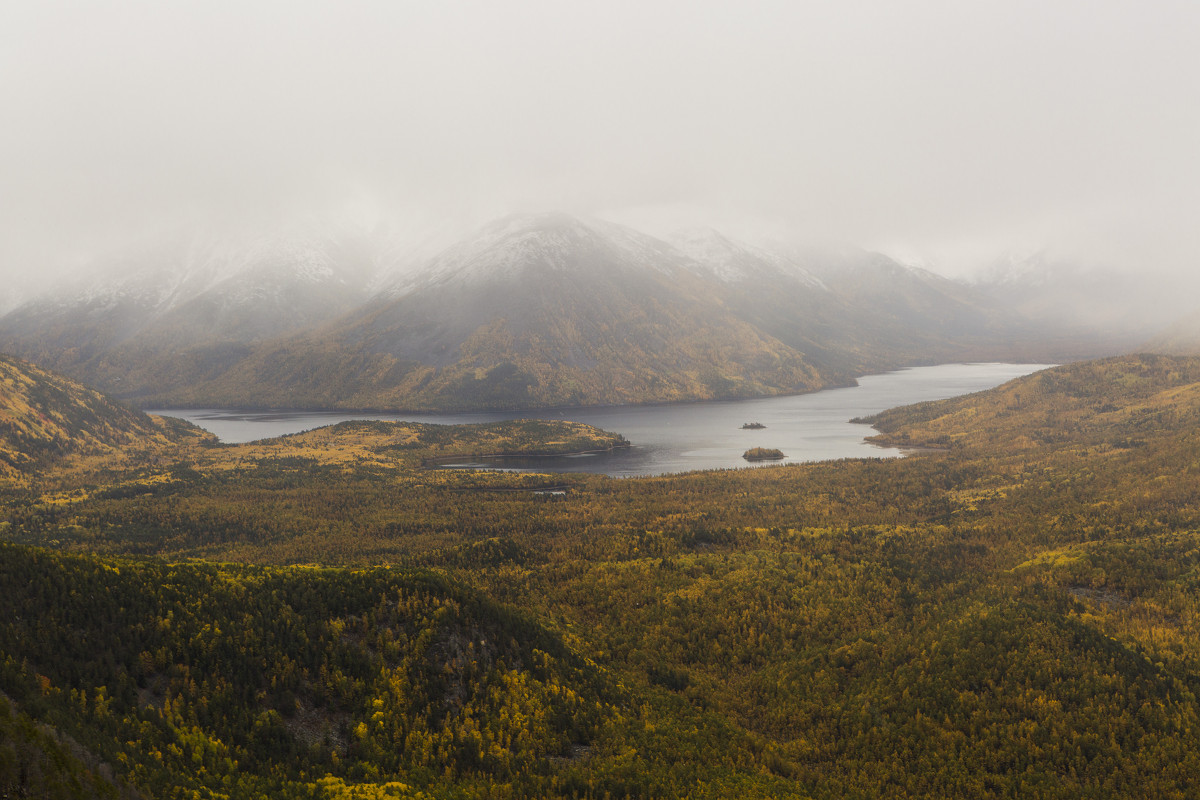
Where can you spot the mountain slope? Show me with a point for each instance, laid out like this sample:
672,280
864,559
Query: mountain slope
1084,310
850,310
1119,402
45,417
531,311
1182,337
174,316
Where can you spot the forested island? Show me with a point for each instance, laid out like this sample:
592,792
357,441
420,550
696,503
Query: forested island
763,454
317,616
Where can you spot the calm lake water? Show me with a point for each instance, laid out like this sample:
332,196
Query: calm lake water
684,436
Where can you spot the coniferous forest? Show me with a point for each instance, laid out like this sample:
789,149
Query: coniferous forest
1012,611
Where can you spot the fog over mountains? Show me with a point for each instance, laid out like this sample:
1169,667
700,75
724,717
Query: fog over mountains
539,310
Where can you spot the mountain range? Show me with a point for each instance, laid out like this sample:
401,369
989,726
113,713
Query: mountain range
528,311
1180,338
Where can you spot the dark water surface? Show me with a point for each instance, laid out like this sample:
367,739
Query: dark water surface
684,436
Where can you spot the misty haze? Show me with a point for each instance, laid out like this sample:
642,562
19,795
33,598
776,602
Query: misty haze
639,400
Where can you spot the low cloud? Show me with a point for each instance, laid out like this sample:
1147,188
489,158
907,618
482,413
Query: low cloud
951,130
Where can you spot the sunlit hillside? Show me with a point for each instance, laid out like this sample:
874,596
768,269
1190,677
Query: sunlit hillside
44,418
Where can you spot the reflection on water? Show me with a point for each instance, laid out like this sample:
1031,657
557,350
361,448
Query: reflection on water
684,436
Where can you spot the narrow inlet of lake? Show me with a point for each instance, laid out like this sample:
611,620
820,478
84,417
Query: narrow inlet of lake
679,437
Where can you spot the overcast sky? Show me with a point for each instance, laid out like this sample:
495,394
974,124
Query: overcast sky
949,130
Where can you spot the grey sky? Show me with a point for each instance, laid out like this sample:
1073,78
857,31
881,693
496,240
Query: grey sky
949,129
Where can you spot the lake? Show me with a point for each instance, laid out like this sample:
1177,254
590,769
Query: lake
680,437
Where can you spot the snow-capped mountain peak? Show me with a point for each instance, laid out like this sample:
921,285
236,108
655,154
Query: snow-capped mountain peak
550,243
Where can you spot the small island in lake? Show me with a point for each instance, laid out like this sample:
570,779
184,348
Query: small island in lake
762,454
753,426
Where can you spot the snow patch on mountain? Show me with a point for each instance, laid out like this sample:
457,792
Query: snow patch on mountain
731,261
157,281
514,245
1029,268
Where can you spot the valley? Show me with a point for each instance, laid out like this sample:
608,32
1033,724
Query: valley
678,437
599,401
1011,612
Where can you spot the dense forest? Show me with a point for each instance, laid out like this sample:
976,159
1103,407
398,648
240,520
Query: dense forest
1011,612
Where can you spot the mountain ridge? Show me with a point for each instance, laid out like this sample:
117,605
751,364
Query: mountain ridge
530,310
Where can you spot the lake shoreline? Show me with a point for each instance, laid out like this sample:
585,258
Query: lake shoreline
435,462
159,409
677,437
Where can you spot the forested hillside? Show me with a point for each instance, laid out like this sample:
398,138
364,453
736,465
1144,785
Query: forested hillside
1012,612
1116,402
257,681
44,418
